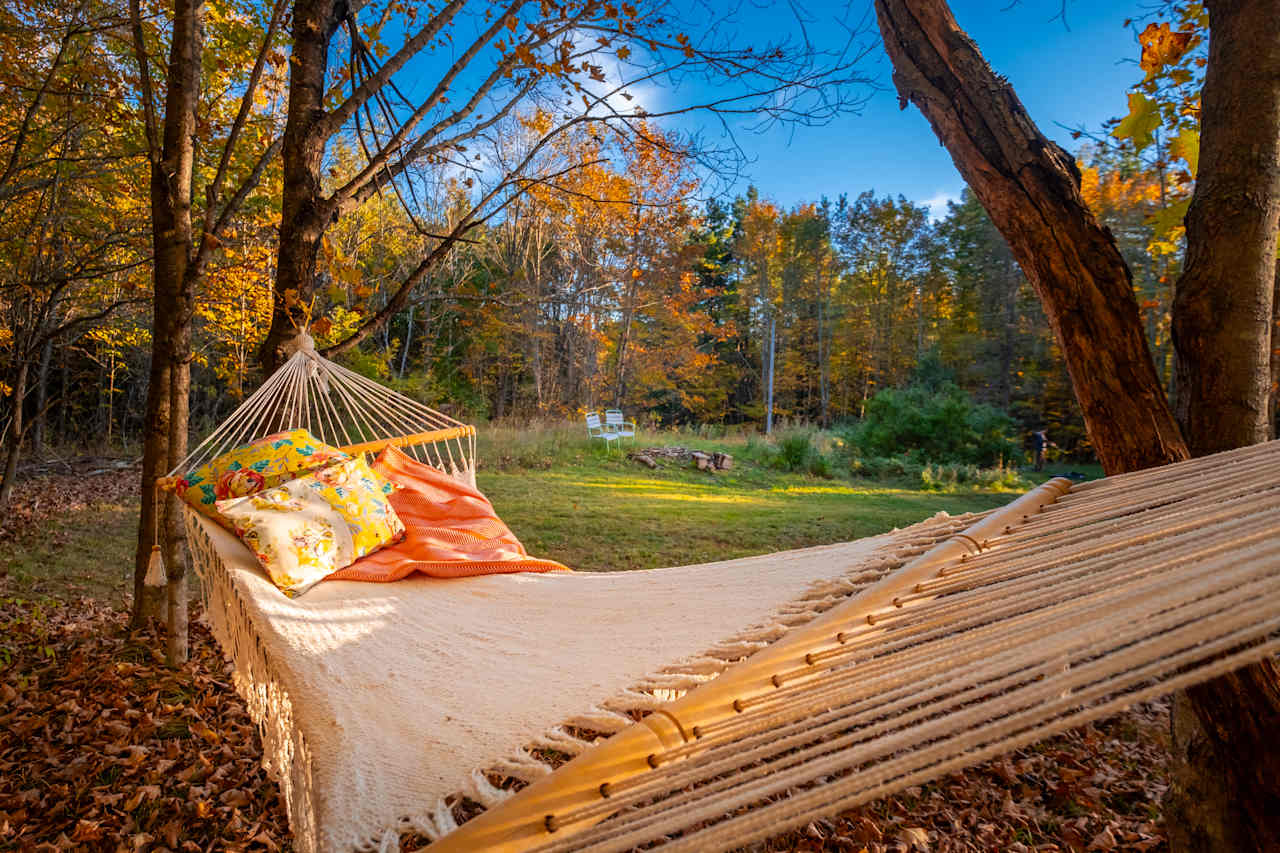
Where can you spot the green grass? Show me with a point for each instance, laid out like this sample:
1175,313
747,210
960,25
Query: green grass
84,552
574,501
606,518
1091,471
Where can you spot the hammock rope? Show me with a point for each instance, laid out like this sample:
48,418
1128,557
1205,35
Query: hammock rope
1028,624
341,408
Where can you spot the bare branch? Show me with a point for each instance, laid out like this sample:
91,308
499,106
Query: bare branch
146,90
344,111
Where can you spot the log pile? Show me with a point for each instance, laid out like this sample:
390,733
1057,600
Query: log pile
703,461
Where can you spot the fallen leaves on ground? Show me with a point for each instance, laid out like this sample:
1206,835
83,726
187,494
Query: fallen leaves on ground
104,748
51,491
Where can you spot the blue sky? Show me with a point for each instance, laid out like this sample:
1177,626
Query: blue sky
1076,76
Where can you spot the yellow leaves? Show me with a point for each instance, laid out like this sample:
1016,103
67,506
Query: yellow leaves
1140,124
1168,228
1162,46
1186,145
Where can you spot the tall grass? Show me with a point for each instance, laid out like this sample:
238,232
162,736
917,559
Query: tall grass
513,445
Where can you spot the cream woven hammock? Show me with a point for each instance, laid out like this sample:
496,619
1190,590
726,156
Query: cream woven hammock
499,712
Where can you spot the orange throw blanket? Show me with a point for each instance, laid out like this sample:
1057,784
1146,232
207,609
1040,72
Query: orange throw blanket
451,530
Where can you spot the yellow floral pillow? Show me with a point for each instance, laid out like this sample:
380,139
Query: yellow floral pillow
251,468
308,528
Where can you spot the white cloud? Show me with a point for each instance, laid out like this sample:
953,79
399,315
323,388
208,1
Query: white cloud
937,203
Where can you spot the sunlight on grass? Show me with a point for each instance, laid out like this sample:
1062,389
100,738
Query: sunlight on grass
609,519
588,511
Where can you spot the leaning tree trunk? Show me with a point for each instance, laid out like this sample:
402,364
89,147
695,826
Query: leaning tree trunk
1226,781
1031,189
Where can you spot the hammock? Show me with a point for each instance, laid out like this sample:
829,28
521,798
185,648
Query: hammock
500,712
343,409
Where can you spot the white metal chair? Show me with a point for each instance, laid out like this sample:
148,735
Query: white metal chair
613,420
598,429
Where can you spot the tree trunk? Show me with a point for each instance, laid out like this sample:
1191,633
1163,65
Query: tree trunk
174,541
408,339
1006,336
155,453
624,341
1031,189
824,358
1222,306
768,400
16,428
164,442
302,221
1274,417
63,401
39,433
1226,769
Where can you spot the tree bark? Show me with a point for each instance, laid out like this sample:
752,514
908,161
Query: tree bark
302,216
1031,189
16,429
1222,305
174,288
1274,415
1226,770
155,447
39,434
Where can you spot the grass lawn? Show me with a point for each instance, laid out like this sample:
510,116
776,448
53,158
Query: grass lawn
615,515
590,509
85,552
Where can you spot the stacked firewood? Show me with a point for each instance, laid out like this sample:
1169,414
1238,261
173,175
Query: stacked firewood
699,459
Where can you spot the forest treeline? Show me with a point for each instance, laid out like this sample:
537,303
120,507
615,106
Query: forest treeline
681,312
617,284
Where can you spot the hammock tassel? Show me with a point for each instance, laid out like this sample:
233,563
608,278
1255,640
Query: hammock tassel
156,574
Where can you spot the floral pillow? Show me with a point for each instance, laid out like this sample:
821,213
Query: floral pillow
251,468
308,528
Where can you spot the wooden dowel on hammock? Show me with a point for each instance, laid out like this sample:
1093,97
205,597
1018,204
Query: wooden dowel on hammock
430,436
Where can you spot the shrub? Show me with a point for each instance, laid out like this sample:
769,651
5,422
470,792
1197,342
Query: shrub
939,425
938,477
